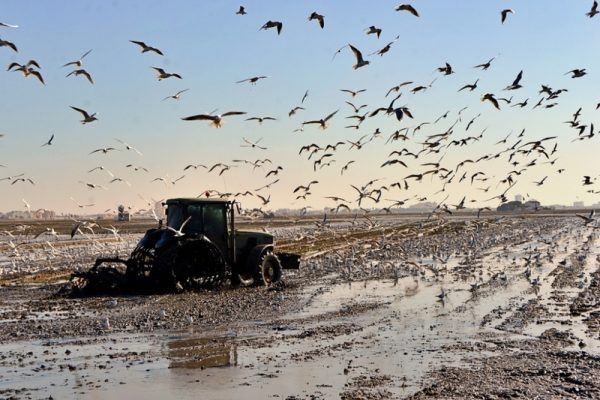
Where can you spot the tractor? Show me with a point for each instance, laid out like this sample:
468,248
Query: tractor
200,247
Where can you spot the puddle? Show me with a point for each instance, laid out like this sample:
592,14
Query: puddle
319,350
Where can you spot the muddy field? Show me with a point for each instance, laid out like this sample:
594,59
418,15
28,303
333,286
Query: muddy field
385,307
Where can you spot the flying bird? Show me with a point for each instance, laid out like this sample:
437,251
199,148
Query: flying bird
272,24
594,10
6,43
587,218
322,122
407,7
128,147
161,74
146,48
82,72
216,120
103,150
241,11
27,69
87,118
360,62
177,95
254,145
320,18
485,65
253,80
261,119
5,25
490,97
515,85
504,13
78,63
352,92
577,73
49,142
374,30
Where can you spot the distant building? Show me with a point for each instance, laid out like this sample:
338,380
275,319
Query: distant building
510,206
531,205
122,214
519,198
519,206
578,204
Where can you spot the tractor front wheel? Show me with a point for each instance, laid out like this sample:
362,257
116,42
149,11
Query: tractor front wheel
270,269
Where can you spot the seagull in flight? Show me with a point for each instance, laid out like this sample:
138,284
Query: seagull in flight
128,147
78,63
360,62
272,24
322,122
146,48
6,43
593,10
253,80
87,118
320,18
253,144
177,95
504,13
407,7
49,142
104,150
485,65
179,232
5,25
83,72
216,120
587,218
162,74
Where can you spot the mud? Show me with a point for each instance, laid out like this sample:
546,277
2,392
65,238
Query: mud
384,308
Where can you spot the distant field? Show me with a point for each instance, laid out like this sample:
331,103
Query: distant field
64,226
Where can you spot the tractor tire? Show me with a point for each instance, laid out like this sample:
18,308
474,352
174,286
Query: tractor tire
199,264
270,269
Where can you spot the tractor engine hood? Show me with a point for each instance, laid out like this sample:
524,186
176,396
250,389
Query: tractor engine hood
243,236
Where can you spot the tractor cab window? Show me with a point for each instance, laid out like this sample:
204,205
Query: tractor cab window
195,223
214,218
215,225
175,217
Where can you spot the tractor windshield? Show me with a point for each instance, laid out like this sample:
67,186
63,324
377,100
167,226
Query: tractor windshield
175,217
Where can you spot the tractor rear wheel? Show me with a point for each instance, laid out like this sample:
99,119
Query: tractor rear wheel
270,269
199,264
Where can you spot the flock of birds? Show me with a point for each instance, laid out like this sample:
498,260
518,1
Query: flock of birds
522,153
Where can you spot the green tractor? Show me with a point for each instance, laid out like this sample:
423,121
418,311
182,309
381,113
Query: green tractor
199,248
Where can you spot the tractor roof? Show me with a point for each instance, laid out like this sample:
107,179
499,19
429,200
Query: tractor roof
196,200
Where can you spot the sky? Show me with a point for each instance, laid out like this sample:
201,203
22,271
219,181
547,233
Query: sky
212,48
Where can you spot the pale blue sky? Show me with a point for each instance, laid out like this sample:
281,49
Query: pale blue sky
212,48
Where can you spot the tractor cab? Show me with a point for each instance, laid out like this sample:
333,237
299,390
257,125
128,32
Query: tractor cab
208,217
